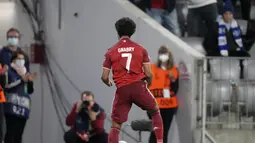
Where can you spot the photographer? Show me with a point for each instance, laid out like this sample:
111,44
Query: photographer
86,121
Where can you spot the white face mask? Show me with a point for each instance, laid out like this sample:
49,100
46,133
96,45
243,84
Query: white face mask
13,41
20,63
163,57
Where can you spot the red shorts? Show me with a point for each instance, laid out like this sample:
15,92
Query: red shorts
136,93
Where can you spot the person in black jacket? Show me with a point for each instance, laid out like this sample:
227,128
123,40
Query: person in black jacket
163,11
6,53
13,38
18,85
225,37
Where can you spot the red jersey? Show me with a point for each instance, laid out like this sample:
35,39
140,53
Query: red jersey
126,59
160,4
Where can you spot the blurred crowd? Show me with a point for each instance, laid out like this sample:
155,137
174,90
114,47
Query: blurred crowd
217,21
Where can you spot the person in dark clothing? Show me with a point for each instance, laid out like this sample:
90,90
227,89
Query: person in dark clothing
6,53
3,70
140,4
249,38
225,37
13,37
164,87
164,12
201,16
18,85
86,121
245,7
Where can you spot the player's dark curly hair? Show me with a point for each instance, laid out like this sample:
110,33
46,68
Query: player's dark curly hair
125,27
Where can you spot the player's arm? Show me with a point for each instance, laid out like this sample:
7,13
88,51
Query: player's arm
106,70
105,77
147,67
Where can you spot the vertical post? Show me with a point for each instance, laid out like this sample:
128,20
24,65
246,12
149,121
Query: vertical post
140,136
200,90
204,101
59,14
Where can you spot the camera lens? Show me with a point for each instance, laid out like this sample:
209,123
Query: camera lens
86,103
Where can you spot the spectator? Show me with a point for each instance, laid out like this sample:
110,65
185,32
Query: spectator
86,121
224,38
164,12
249,37
18,85
201,12
13,37
164,87
139,3
2,100
245,7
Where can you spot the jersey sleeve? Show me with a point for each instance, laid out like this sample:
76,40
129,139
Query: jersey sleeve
146,58
107,61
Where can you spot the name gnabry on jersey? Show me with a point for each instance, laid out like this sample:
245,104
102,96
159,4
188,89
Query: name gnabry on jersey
126,49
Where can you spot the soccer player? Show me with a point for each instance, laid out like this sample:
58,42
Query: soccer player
130,66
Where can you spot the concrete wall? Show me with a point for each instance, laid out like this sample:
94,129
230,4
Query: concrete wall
80,44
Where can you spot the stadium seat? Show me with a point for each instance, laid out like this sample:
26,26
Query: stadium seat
218,94
247,95
225,69
196,43
142,125
249,70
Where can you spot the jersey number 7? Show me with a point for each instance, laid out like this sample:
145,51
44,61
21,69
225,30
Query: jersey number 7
129,58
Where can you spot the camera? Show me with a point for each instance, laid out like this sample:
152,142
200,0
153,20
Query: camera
85,105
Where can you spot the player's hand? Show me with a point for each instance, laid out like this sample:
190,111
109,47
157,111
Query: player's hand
109,83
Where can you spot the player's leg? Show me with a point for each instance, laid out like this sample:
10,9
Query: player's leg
120,108
157,122
142,97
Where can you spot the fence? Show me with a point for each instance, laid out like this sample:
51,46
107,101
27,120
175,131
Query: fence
228,94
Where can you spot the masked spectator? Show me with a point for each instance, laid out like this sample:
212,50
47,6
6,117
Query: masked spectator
18,85
201,16
86,121
6,53
164,12
164,87
13,37
225,36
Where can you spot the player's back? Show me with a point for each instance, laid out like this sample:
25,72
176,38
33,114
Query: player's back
127,58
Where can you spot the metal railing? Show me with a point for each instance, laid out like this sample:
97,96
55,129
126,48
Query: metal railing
228,95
